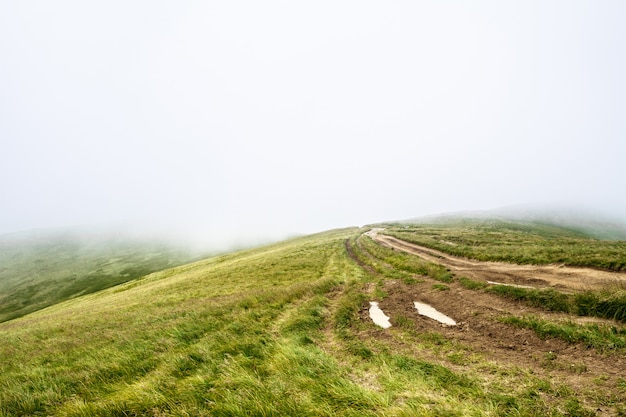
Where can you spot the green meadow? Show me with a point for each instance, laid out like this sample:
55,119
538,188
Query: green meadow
271,331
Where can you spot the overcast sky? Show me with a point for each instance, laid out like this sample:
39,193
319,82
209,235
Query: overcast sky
262,118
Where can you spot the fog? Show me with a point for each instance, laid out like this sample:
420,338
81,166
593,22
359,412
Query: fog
239,121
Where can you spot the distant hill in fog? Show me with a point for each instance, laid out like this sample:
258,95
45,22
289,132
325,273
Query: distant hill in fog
588,222
43,267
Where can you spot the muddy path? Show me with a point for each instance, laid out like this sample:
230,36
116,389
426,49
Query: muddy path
597,377
540,276
584,370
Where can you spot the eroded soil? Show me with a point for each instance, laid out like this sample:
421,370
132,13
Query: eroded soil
598,377
557,276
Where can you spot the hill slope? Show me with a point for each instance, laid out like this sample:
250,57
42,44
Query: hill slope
39,269
284,330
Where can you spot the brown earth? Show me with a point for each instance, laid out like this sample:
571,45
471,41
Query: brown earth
598,378
557,276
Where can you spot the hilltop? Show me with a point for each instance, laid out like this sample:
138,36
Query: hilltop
285,329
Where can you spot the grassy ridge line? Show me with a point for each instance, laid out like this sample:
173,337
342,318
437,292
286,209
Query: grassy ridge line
515,243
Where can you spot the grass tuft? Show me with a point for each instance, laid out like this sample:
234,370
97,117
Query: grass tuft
440,287
471,284
598,304
602,337
548,299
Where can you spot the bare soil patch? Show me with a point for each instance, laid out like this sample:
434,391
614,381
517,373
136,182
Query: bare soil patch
557,276
597,376
585,370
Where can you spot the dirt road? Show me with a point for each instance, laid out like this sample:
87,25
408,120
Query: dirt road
539,276
596,376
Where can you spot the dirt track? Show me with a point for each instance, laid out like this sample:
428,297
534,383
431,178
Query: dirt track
557,276
477,314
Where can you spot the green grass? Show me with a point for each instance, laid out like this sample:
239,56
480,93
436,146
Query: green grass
199,338
604,304
367,260
272,331
402,265
602,337
549,299
521,243
39,270
471,284
528,243
440,287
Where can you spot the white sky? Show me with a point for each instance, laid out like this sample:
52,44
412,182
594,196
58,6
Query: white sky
229,119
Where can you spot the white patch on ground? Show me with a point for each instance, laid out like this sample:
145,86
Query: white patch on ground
430,312
378,316
509,285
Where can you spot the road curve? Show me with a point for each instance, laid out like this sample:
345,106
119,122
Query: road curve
557,276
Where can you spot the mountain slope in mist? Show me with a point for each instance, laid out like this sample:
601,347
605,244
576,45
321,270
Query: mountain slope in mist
284,329
42,268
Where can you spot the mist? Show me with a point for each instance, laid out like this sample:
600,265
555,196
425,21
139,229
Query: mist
228,123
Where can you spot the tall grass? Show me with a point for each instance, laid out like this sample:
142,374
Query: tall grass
549,299
138,348
609,305
604,304
603,337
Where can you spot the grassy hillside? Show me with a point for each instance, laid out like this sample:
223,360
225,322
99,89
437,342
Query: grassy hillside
283,330
39,269
516,242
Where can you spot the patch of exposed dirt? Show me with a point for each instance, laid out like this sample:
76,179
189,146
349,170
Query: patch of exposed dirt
557,276
478,328
587,371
